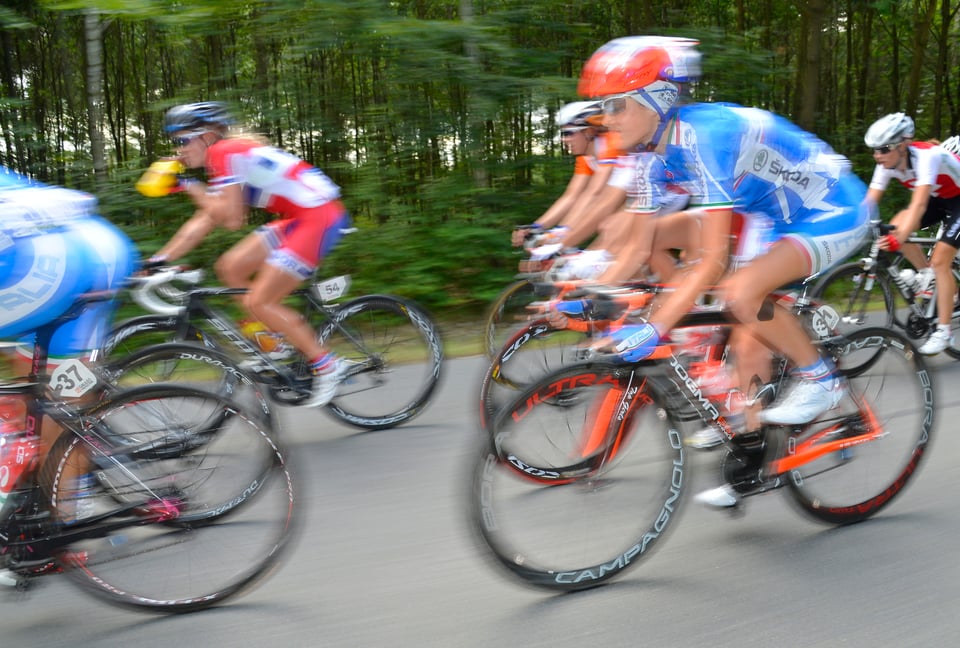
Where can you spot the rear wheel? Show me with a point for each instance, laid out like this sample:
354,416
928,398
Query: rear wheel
890,394
394,355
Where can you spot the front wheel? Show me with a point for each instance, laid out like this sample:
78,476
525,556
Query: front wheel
507,312
394,355
169,531
860,300
570,489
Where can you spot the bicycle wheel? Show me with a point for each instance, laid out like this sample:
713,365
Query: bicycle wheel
170,531
140,333
532,351
890,393
506,313
564,502
394,354
189,365
858,300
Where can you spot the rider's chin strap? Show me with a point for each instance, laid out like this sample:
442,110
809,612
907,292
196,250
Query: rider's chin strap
665,119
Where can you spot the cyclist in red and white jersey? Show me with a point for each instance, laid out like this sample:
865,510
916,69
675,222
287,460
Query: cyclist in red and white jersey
932,173
245,173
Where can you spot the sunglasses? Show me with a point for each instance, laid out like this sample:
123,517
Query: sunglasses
186,139
883,150
616,105
570,132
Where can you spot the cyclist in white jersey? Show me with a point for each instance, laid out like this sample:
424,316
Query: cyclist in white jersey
932,174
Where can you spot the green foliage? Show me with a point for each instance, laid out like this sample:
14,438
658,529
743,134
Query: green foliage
438,126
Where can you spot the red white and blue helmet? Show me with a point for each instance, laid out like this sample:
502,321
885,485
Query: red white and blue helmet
652,66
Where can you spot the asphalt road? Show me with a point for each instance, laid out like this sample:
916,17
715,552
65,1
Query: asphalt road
387,559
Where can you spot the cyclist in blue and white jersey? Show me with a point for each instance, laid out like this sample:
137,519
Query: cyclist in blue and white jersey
729,158
53,248
932,174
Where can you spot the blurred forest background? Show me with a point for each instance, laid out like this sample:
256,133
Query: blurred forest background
435,116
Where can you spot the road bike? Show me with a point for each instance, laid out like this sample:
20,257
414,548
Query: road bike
865,293
391,345
583,474
160,497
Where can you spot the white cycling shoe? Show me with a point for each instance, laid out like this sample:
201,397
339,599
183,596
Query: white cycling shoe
938,341
326,383
806,401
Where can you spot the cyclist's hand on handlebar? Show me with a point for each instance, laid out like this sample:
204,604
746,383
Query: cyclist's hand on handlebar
522,232
631,343
890,242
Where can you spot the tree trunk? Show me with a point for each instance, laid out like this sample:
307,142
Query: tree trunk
808,68
93,30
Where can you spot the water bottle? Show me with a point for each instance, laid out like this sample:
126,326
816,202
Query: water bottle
85,489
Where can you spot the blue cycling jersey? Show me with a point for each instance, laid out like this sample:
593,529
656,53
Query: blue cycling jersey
53,248
752,161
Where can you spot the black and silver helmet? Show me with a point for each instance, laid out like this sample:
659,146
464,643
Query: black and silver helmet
195,116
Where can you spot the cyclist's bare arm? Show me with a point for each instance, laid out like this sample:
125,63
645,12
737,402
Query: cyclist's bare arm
609,201
636,250
589,195
714,254
908,220
222,209
561,206
903,220
225,207
189,236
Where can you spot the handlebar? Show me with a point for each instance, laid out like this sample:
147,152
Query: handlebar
156,293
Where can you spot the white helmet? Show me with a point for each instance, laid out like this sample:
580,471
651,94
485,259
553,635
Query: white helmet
577,114
952,144
889,130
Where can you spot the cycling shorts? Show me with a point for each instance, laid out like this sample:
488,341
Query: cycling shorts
946,211
298,245
834,234
42,275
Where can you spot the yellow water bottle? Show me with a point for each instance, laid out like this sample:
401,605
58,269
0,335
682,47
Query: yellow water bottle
161,178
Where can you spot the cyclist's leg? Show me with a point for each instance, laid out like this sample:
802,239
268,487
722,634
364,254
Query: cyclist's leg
305,242
236,266
942,261
677,231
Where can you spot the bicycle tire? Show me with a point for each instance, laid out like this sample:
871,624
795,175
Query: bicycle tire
532,351
593,518
193,529
191,365
506,313
889,386
857,304
382,336
138,333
